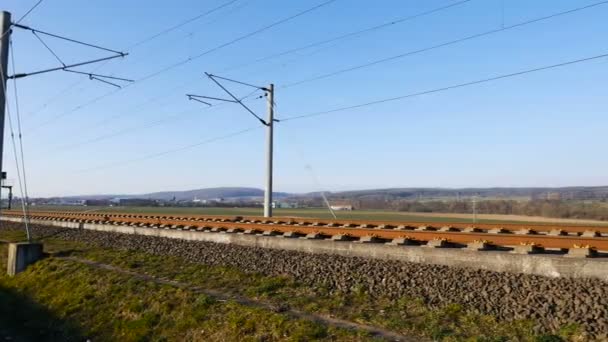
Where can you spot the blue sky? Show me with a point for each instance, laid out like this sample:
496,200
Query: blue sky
541,129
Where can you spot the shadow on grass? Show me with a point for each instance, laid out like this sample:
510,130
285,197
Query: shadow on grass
22,319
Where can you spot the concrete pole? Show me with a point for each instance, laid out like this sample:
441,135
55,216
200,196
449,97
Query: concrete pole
10,198
5,26
269,146
474,209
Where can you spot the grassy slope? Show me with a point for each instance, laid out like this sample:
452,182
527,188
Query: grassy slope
323,213
111,306
62,300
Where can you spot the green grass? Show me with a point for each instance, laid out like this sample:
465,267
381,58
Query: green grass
61,300
113,306
380,215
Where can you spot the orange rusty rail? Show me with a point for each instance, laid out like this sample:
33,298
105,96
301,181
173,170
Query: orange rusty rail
512,227
415,232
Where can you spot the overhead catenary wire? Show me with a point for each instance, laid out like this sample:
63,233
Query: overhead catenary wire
16,155
341,109
132,129
174,42
442,89
182,24
19,177
133,46
427,49
236,40
190,59
324,42
173,150
349,34
29,11
24,16
19,132
142,105
452,42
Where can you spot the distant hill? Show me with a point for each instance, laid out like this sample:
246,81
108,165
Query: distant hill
575,192
203,194
210,193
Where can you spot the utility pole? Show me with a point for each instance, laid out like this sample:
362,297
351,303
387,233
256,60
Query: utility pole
475,209
10,197
269,123
5,27
269,147
20,255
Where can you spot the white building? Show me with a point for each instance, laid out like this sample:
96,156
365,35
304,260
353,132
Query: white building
341,206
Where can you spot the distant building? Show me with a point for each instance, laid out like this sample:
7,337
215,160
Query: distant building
138,202
97,202
284,205
341,206
70,202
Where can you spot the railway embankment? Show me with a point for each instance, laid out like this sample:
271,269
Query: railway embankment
551,303
523,258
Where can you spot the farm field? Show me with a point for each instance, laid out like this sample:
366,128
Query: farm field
324,214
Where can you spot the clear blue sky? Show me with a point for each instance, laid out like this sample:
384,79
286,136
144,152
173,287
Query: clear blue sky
541,129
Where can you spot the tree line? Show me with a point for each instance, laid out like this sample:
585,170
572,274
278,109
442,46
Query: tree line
545,208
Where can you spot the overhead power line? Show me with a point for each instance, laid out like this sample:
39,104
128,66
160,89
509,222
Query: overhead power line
350,34
24,16
29,11
341,109
324,42
181,24
437,90
24,190
174,150
135,45
138,127
190,59
412,52
15,154
236,40
460,40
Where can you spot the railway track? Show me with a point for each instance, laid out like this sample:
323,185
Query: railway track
576,240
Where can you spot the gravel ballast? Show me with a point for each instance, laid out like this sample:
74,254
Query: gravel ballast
552,302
